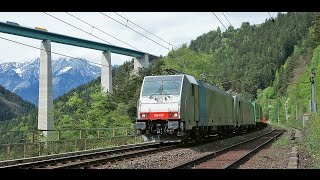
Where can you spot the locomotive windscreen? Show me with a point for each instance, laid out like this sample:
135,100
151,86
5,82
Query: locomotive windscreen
161,85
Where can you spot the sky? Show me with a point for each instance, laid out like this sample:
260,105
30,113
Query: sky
176,28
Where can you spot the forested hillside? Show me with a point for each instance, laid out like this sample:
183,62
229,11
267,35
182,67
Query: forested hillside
15,114
287,99
11,105
248,57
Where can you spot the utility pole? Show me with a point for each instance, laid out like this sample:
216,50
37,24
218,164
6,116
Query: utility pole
313,99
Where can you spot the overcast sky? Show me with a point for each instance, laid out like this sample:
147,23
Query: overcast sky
175,27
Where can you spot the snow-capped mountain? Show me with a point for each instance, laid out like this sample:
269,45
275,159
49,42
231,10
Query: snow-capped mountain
23,78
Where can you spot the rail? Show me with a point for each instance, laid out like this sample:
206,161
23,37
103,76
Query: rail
93,158
32,142
219,153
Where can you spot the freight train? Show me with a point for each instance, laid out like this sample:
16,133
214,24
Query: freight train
178,107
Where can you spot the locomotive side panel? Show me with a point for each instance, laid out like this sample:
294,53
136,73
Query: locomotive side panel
196,104
258,113
187,104
212,108
203,121
252,114
219,104
190,97
219,108
248,117
236,110
229,108
211,116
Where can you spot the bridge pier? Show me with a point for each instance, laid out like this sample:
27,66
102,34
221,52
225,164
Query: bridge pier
140,63
106,72
45,105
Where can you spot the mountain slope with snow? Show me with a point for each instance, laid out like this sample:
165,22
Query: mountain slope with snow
23,78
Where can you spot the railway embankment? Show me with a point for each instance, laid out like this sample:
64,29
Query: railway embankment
288,152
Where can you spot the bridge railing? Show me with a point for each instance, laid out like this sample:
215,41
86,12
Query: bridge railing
31,143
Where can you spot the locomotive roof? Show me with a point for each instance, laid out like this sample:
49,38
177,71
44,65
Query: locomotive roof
209,86
214,88
192,80
163,76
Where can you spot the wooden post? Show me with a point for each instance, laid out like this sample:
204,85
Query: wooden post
39,149
25,150
8,151
59,135
33,136
65,146
80,133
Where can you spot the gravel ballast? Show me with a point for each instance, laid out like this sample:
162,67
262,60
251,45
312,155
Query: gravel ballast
169,159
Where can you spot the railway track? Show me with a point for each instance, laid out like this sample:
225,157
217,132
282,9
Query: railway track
108,156
232,156
95,158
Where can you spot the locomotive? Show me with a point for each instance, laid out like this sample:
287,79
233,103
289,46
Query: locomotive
177,107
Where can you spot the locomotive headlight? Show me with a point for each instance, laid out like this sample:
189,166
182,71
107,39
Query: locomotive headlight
144,115
173,115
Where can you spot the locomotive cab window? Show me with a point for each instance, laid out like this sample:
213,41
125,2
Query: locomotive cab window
166,85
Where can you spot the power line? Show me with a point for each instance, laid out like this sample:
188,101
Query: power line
227,19
272,19
219,20
77,28
143,29
102,31
134,30
48,51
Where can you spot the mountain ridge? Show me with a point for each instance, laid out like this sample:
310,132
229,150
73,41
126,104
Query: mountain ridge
23,78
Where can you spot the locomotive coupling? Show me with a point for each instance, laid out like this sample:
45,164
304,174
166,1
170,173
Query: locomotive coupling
159,129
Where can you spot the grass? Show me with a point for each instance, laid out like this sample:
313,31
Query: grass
276,124
311,138
285,141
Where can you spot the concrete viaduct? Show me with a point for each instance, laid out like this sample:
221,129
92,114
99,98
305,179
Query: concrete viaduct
45,106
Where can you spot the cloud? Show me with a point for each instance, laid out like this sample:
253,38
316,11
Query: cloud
174,27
